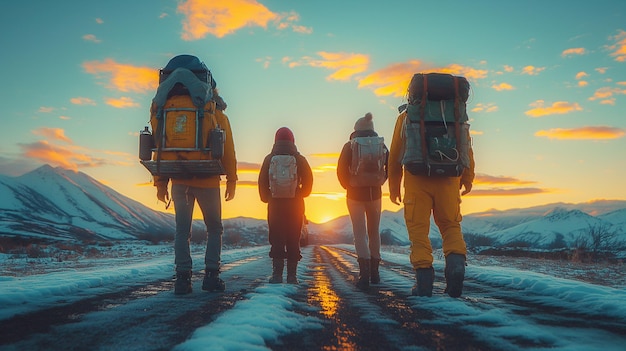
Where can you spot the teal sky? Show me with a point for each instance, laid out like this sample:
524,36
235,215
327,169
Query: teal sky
546,107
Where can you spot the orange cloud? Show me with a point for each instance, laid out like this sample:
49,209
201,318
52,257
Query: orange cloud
69,157
123,102
573,51
581,75
532,70
221,18
557,108
619,47
501,180
82,101
92,38
485,108
394,79
507,192
583,83
125,78
606,95
601,70
53,133
584,133
333,155
502,86
345,65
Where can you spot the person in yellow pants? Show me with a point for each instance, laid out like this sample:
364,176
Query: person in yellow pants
424,195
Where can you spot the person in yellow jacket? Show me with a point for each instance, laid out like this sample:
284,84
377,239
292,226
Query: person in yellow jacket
206,191
424,195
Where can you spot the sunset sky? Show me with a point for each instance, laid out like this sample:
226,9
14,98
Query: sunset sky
547,106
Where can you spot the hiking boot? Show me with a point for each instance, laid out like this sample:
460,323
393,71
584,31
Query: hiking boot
212,281
277,271
455,273
374,275
364,274
183,283
424,278
292,267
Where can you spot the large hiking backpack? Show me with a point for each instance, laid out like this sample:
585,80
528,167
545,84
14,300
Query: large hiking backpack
187,138
368,161
283,175
437,139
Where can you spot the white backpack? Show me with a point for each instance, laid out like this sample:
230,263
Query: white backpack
283,176
368,161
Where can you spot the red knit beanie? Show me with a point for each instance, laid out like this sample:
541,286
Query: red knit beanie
284,133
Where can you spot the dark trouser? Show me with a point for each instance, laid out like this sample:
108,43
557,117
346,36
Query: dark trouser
184,198
284,221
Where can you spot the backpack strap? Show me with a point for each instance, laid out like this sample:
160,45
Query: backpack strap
423,124
160,138
457,117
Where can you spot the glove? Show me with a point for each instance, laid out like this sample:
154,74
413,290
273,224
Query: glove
468,187
230,190
162,193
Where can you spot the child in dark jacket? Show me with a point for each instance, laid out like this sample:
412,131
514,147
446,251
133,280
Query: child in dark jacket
285,213
364,206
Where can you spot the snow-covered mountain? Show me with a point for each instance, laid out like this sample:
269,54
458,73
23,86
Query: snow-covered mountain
60,204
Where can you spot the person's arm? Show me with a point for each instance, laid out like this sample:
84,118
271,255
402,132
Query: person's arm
394,165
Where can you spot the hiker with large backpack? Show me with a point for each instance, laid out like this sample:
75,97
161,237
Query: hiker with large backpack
362,170
193,148
285,179
431,149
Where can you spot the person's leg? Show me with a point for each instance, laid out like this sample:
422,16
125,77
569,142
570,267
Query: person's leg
372,212
447,214
293,226
183,207
211,207
356,209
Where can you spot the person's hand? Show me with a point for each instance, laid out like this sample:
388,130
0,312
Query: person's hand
395,197
230,190
468,187
162,193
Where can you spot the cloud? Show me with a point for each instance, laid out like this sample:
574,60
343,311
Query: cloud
508,68
532,70
606,95
500,180
82,101
618,49
394,79
573,51
248,167
53,133
344,65
125,78
583,83
557,108
123,102
99,21
333,155
92,38
507,192
46,109
70,157
581,75
601,70
490,107
502,86
583,133
221,18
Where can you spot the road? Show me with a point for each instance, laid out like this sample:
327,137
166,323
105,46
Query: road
151,317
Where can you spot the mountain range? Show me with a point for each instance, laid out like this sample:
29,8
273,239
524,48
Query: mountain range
59,204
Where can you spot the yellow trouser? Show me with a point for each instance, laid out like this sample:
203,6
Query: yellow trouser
439,195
